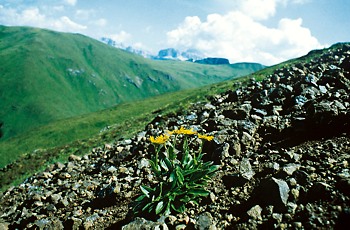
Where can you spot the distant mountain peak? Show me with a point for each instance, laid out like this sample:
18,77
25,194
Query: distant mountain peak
130,49
164,54
175,54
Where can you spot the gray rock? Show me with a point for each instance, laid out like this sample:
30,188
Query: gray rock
273,192
291,168
255,212
143,224
204,221
56,198
245,169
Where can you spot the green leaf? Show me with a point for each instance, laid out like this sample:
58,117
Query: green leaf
179,209
199,192
172,176
167,210
198,175
168,163
171,152
185,199
172,197
213,168
147,206
140,198
199,158
159,207
155,167
179,175
146,190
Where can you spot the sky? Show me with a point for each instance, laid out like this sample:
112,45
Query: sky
263,31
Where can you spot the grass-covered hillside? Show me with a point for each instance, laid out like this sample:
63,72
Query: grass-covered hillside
46,76
30,151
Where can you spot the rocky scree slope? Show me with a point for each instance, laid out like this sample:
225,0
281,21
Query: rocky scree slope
283,145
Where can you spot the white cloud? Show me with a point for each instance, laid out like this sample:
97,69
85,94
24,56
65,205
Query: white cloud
71,2
34,17
84,14
66,24
100,22
241,36
258,9
121,37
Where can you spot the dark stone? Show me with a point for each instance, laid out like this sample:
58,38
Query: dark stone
319,191
234,180
273,192
301,177
343,221
344,186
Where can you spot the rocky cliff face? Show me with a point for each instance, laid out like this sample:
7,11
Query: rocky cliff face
283,145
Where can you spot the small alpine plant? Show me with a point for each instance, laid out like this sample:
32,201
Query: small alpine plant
179,171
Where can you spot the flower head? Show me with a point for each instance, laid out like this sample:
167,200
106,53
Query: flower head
205,137
159,140
182,130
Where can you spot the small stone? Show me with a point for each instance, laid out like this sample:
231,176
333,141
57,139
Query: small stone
56,198
4,226
291,168
123,169
64,202
143,163
59,165
225,150
212,197
292,182
247,139
39,203
255,212
112,169
277,217
298,225
245,169
74,158
295,193
291,207
88,225
204,221
180,227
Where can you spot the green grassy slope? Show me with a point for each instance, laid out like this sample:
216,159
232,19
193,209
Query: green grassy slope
46,76
77,135
31,151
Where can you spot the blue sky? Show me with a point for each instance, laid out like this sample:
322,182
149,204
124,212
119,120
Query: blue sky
264,31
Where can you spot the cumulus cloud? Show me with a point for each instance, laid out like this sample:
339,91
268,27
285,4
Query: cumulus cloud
84,14
66,24
240,35
258,9
120,37
71,2
34,17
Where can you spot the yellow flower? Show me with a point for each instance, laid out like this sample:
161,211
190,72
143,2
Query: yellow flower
159,140
170,132
182,130
205,137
